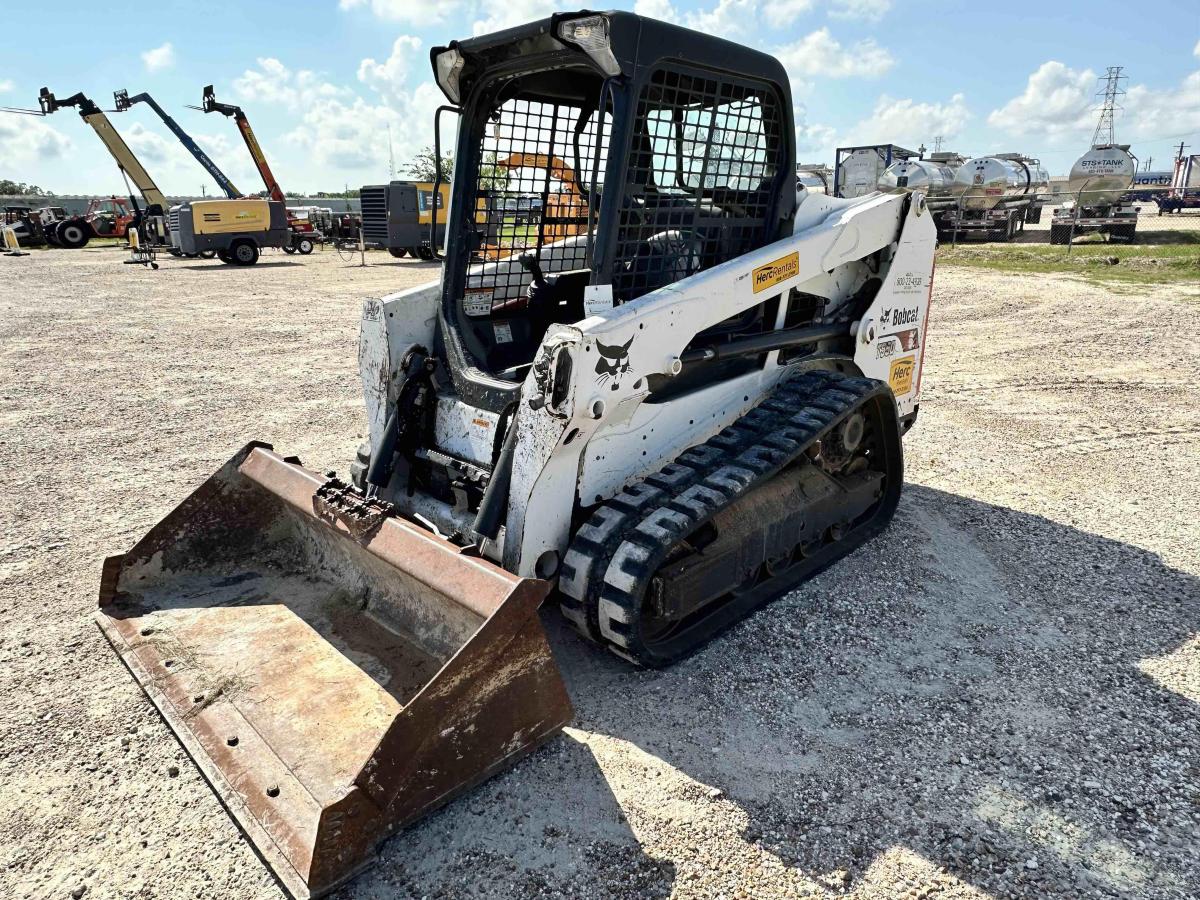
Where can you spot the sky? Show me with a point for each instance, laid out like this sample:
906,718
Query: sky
322,81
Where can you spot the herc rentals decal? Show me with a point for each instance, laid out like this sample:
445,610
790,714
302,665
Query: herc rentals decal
774,272
900,374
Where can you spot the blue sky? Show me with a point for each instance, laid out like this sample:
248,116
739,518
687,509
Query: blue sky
323,81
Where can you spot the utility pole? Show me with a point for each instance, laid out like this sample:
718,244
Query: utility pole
1110,93
1149,159
1182,145
391,156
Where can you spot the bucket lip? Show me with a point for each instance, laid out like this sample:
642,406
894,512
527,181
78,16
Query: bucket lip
264,844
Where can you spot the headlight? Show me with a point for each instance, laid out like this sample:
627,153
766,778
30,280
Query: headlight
449,68
590,34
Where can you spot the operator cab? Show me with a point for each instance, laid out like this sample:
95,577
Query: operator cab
599,158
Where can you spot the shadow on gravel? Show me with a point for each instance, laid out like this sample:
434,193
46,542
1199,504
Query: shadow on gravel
550,827
975,686
979,689
218,266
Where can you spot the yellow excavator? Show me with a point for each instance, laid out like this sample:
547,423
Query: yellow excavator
674,393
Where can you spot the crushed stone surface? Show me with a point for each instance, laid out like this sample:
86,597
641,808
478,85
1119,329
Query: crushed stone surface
999,697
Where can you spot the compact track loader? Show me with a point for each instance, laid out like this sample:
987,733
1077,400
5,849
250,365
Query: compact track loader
674,390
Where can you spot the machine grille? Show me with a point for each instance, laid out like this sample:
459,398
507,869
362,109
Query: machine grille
538,161
707,152
374,200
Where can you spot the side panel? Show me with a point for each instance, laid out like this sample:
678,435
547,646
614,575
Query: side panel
613,353
890,344
389,326
226,216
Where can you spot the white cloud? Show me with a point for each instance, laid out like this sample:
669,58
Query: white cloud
273,83
657,9
1156,114
727,18
175,170
734,17
860,10
1056,99
819,54
782,13
908,122
407,12
6,85
812,139
159,58
1060,101
514,12
25,141
150,148
1196,50
390,77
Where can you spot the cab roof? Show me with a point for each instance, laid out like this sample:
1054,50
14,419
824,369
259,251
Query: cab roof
638,44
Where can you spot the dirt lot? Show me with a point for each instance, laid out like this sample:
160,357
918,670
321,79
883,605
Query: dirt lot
999,697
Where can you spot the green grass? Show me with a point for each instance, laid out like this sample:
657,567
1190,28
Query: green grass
1165,257
511,232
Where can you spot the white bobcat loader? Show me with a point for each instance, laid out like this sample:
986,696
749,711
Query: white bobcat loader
672,391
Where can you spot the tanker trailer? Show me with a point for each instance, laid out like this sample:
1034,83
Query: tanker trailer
815,177
1099,185
1185,186
996,195
856,170
931,178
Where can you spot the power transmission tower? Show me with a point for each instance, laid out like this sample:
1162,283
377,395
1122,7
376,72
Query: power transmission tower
937,144
1110,93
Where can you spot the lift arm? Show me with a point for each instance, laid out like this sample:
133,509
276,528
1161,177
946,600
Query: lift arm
124,101
210,104
126,161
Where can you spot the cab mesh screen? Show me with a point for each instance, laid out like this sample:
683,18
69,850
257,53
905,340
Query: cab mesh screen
706,152
536,168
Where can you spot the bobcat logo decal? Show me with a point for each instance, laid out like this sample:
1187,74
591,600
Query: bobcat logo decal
613,361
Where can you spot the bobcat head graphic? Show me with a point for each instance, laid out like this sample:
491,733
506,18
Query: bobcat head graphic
613,361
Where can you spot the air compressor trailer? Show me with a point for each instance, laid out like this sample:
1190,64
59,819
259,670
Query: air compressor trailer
236,230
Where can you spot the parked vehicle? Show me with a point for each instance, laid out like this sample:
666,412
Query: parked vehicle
672,400
235,230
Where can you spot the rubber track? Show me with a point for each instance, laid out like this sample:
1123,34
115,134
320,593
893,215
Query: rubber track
615,553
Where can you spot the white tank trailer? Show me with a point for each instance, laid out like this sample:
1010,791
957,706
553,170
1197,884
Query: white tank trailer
931,178
856,170
1099,195
996,195
815,177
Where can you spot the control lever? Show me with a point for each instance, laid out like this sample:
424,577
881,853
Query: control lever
529,263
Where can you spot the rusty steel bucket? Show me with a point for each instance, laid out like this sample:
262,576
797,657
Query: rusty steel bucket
334,672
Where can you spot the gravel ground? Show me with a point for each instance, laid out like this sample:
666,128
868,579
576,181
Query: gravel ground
1000,697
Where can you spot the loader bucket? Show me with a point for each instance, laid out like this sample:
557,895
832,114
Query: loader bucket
335,674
